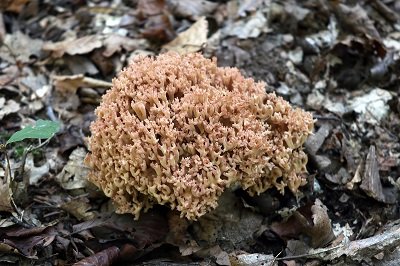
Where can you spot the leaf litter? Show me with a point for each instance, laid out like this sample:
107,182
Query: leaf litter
338,59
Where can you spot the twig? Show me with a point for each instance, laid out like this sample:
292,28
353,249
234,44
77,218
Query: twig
309,254
384,10
8,180
8,167
24,156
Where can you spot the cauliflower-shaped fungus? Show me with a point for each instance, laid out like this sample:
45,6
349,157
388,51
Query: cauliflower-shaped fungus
178,130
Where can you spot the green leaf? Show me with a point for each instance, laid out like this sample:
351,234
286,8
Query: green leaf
43,129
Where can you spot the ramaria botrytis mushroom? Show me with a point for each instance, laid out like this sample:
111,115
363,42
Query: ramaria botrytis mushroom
178,130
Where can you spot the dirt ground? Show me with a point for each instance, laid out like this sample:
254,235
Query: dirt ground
339,60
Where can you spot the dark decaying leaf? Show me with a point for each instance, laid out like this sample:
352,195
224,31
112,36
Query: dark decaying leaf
25,232
371,182
178,234
359,56
103,258
77,228
70,138
386,11
146,8
156,18
149,229
13,5
312,221
28,241
355,19
229,225
296,248
158,28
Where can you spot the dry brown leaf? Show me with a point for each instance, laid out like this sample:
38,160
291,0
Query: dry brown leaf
312,221
8,75
221,256
158,28
19,46
156,19
103,258
114,43
146,8
230,225
371,183
151,228
80,64
79,208
15,5
192,9
29,241
191,40
35,173
74,46
386,11
73,175
5,193
8,107
296,248
356,19
23,232
321,232
4,4
69,84
7,249
177,234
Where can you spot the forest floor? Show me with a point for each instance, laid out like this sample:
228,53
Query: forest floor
340,60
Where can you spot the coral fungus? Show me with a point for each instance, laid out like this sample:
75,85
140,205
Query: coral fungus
177,130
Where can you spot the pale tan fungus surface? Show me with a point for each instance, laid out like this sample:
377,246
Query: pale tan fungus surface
178,130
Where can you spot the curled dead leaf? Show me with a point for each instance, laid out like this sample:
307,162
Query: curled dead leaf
103,258
312,221
28,241
371,182
70,84
13,5
74,46
155,16
191,40
79,208
8,107
19,46
5,196
115,43
192,9
355,18
73,175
